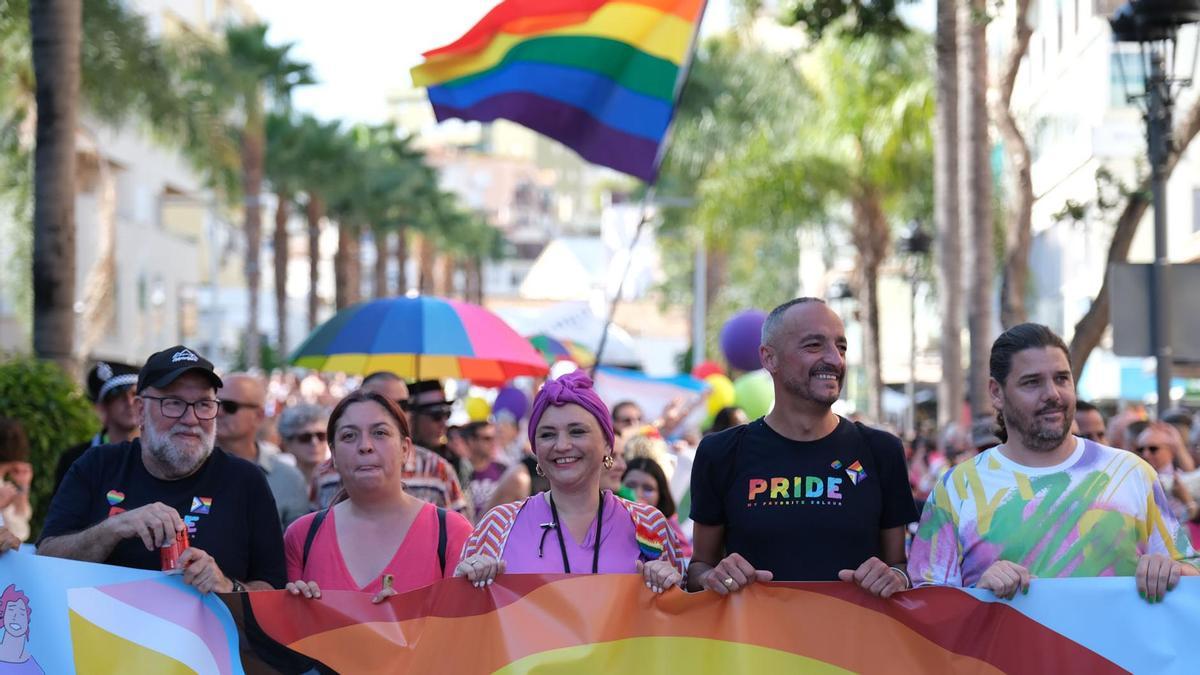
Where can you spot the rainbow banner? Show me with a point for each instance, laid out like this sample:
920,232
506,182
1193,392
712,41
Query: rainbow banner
599,76
89,618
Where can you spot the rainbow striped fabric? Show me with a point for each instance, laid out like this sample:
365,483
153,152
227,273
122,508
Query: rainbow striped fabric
599,76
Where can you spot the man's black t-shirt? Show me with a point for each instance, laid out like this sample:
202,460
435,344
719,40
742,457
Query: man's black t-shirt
227,506
803,510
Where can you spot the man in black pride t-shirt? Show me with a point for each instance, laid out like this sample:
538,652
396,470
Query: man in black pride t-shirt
801,494
119,504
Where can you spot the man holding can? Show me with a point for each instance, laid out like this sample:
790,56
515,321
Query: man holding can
123,504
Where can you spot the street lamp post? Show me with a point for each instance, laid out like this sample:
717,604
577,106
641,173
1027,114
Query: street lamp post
917,244
1154,25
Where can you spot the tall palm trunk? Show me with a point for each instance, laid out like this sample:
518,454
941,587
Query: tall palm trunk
475,275
949,231
56,32
252,179
425,270
1020,226
379,272
347,266
871,238
280,244
313,211
976,194
401,254
447,276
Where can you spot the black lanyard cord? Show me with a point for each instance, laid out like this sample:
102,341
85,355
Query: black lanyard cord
562,544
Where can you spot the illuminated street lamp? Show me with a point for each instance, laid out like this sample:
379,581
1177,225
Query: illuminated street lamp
1154,25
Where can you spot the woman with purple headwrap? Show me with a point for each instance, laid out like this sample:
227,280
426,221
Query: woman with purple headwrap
574,527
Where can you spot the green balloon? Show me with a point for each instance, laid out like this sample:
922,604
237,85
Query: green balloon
754,393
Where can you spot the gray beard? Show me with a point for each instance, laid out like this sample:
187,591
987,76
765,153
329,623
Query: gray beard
173,460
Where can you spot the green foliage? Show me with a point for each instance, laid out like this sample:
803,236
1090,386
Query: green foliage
1111,194
767,143
55,414
854,18
269,358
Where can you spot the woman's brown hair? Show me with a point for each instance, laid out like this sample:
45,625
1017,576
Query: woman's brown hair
361,396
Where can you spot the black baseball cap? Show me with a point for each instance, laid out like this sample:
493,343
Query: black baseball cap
107,378
163,368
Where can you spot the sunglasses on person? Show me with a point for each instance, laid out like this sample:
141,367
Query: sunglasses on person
308,436
1094,436
232,407
1147,449
437,413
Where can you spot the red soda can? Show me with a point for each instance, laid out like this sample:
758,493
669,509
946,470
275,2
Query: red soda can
171,552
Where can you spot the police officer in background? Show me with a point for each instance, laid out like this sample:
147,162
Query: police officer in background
110,387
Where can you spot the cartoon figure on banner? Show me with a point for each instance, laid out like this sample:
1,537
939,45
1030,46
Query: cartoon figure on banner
14,645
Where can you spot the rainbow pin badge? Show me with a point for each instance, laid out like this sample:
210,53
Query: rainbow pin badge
114,497
837,464
856,472
201,505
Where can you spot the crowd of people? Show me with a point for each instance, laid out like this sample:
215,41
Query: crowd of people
315,484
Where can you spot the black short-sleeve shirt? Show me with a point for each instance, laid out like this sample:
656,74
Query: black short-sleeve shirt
227,506
803,510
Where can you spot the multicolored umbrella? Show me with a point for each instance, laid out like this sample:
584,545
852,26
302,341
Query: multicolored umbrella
420,338
556,349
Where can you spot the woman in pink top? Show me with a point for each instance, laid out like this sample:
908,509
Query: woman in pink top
574,527
378,538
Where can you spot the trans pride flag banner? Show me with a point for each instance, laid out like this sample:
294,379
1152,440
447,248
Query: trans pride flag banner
599,76
64,617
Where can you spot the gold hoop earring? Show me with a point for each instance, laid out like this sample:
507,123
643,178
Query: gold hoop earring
609,461
537,468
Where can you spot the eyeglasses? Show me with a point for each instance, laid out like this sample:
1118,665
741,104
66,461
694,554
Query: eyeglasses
232,407
308,436
1145,449
169,406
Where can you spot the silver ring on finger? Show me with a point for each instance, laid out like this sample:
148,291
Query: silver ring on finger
728,581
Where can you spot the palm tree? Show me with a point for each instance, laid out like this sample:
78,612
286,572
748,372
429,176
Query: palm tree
975,193
255,74
55,27
859,139
320,158
283,171
946,215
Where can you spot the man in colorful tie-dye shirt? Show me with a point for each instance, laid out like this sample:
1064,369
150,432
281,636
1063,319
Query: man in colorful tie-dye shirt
1045,503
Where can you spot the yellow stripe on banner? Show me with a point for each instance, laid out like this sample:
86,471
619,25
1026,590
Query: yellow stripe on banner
99,651
656,33
668,655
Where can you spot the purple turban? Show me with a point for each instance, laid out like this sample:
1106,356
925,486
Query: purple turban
574,387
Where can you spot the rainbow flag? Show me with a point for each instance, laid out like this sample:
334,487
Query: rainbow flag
599,76
97,619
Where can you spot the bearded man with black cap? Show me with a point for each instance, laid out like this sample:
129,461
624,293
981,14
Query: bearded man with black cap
110,387
121,503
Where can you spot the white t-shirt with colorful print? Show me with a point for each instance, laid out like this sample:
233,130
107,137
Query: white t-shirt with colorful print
1092,515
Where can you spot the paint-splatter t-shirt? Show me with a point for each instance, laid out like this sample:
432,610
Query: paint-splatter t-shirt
1092,515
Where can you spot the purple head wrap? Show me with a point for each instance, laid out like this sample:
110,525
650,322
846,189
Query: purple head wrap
574,387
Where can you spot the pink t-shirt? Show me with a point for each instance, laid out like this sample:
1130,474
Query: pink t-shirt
619,551
414,565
